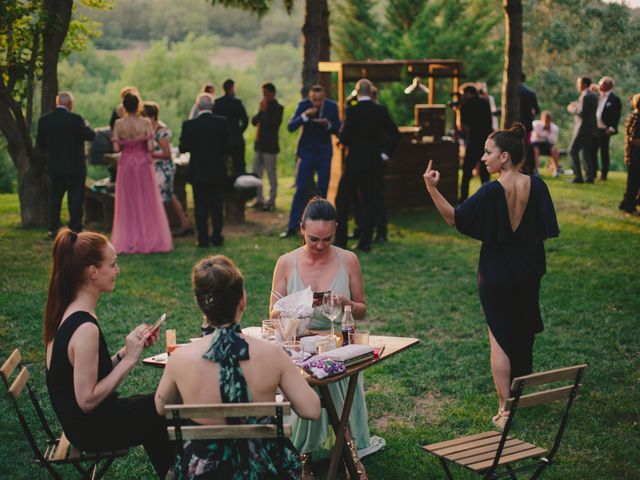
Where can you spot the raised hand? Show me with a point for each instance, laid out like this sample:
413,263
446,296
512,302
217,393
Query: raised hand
431,176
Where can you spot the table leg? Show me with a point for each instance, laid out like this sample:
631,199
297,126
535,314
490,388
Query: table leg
340,426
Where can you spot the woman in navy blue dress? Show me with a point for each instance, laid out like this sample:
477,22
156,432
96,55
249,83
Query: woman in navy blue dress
512,217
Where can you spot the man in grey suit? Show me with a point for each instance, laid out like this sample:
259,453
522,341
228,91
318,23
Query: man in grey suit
584,130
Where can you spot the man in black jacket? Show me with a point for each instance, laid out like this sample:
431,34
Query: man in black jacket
267,121
608,117
206,138
62,134
584,130
370,135
233,110
475,122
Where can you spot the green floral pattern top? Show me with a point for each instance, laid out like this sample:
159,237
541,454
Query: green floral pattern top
253,459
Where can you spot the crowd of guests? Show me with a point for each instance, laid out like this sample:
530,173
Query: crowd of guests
511,216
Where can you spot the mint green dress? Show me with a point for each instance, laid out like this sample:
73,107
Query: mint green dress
317,436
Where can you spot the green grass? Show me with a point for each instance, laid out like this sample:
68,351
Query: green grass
422,283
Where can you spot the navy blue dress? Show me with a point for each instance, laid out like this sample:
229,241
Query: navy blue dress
511,264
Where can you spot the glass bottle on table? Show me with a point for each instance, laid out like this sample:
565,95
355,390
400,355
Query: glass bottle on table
348,325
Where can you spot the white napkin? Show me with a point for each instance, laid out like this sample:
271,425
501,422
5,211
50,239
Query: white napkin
296,305
348,352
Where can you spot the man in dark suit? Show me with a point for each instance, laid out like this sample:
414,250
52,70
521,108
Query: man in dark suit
529,109
206,138
319,118
584,130
608,117
475,122
267,122
371,136
62,134
231,107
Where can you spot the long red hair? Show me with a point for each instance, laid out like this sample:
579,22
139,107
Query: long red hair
72,254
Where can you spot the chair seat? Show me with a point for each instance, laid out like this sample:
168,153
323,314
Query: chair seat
477,452
62,452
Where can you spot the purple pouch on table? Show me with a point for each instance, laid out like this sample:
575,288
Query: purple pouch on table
320,366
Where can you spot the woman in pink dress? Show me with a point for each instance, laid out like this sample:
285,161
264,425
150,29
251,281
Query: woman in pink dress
140,223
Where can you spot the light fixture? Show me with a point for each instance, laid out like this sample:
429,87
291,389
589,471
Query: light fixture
416,83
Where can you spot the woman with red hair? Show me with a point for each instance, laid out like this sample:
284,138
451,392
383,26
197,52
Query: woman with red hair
81,374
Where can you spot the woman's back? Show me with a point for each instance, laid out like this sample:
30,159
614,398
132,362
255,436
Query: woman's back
132,127
198,378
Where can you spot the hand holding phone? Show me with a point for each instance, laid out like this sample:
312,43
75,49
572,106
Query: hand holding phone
156,325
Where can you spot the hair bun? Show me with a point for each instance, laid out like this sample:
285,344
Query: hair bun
518,130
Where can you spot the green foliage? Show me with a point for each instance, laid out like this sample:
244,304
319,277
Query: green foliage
172,74
558,49
7,169
155,19
420,284
434,29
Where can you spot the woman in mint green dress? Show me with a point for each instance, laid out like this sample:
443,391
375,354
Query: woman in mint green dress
229,367
324,267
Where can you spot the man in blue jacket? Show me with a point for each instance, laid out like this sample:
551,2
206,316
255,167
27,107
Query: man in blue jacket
318,116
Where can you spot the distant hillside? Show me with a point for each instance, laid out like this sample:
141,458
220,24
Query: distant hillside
237,58
131,21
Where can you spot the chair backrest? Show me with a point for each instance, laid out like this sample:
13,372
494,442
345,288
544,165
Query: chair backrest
15,388
179,432
570,376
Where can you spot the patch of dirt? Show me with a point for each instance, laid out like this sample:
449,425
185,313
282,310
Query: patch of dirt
266,223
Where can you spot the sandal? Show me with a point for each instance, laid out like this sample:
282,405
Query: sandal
500,420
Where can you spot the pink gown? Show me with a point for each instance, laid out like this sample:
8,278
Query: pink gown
140,223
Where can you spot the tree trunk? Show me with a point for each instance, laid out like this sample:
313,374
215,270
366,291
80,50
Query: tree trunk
30,164
58,16
316,44
512,62
32,175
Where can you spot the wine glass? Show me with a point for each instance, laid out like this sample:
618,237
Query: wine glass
331,308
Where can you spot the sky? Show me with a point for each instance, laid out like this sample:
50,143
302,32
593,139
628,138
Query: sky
631,3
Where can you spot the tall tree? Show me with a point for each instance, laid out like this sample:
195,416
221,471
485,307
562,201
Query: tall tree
512,62
32,35
315,35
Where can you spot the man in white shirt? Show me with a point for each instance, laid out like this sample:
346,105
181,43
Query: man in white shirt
544,137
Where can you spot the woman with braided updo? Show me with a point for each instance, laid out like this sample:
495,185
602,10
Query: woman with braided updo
512,217
229,367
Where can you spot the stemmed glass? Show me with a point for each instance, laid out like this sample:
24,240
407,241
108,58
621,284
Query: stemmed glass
331,307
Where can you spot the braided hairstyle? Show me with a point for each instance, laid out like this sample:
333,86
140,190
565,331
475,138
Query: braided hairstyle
511,140
218,286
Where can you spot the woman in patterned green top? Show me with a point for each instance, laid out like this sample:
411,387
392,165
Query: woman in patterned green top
229,367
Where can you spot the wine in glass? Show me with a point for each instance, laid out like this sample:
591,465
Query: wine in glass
331,307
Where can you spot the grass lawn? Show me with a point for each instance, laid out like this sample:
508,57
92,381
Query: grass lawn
422,284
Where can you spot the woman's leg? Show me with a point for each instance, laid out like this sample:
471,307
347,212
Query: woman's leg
501,371
174,204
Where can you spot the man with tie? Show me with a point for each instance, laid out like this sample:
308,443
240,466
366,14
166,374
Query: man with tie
231,107
318,116
62,134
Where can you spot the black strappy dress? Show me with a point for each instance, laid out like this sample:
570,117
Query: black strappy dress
511,265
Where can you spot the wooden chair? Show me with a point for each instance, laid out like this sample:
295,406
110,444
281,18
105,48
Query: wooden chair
484,453
177,414
58,451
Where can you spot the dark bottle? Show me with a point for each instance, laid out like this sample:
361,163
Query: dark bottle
348,325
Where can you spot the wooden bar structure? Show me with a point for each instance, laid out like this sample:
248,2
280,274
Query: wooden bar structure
403,182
